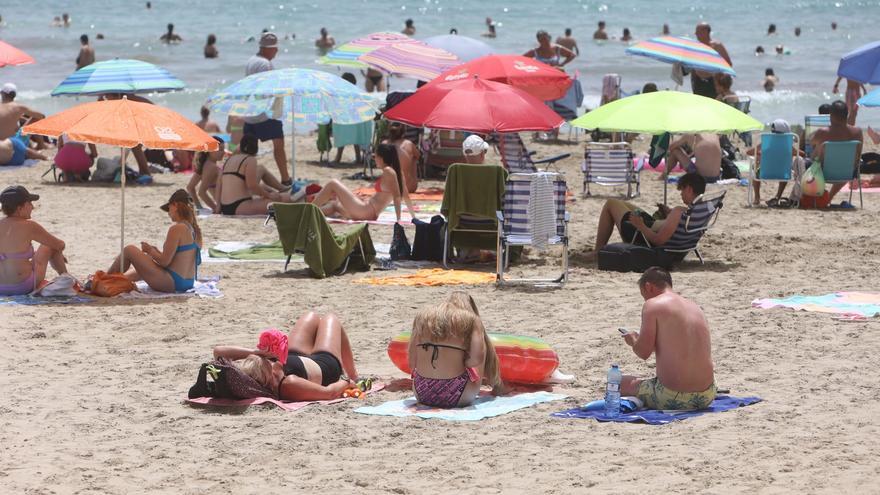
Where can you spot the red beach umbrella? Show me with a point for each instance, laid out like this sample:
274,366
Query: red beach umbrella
476,105
10,55
542,81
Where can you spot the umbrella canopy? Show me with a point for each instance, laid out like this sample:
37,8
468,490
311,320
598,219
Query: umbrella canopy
536,78
690,53
466,49
872,99
667,111
474,104
118,76
346,55
862,64
414,60
10,55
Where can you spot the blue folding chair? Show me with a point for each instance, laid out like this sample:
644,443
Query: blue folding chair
841,165
775,159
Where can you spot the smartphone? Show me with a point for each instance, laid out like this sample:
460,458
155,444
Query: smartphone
622,331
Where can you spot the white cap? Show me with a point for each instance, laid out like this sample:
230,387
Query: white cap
474,145
9,88
780,126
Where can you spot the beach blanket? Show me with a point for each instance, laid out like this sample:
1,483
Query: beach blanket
847,305
27,163
247,251
432,277
287,406
865,188
29,300
388,217
653,417
421,194
486,406
204,287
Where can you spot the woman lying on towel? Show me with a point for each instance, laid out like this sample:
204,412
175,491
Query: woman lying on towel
21,268
318,354
173,268
450,354
245,187
336,200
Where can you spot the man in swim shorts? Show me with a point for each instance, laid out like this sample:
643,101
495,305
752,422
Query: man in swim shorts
676,330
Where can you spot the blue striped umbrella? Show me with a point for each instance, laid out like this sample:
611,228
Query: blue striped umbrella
690,53
118,76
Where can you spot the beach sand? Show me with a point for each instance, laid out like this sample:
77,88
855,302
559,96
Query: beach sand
93,393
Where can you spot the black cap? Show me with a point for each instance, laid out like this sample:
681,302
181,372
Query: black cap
15,196
179,196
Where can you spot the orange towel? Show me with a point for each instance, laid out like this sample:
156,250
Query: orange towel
432,277
423,194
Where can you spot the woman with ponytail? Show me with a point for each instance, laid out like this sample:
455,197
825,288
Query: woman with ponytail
174,268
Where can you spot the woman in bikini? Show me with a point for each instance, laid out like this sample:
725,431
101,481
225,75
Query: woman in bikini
245,187
451,355
318,353
205,175
550,53
21,268
407,154
337,200
175,267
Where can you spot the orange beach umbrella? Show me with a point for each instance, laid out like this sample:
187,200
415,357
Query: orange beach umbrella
126,124
10,55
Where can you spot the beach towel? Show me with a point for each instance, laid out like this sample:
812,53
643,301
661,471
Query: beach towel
486,406
847,305
866,188
348,134
287,406
29,300
248,251
432,277
421,194
204,287
475,191
653,417
27,163
388,217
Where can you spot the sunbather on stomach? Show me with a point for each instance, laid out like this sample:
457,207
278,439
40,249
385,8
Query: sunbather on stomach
244,186
336,200
450,354
318,353
174,268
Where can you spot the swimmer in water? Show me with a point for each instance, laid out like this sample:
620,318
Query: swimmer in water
770,80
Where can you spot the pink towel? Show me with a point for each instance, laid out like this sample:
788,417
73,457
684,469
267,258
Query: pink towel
287,406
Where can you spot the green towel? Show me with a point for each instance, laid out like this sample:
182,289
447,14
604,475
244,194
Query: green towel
303,228
475,191
272,251
323,138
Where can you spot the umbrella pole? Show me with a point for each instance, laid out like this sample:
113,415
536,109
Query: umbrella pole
122,214
292,141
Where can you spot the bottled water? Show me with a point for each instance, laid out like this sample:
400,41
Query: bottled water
612,392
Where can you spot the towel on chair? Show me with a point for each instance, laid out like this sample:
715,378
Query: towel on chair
542,209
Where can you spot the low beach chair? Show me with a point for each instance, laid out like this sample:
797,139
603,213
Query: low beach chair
841,165
444,149
471,198
812,123
610,164
776,159
515,226
517,159
302,228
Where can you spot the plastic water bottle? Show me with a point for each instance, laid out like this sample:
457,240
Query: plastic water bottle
612,392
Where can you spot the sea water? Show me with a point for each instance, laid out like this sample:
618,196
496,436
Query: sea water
806,74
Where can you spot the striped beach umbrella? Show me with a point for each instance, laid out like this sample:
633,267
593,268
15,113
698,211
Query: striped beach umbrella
347,55
413,60
690,53
10,55
118,76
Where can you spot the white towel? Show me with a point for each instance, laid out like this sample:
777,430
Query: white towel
677,73
542,209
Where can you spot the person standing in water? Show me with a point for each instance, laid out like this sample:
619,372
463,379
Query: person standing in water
86,53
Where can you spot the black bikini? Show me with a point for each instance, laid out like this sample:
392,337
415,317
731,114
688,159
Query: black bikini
436,351
229,208
331,369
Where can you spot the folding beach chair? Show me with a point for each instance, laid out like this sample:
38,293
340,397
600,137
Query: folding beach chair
610,164
515,226
444,149
776,159
302,228
841,165
812,123
471,198
517,159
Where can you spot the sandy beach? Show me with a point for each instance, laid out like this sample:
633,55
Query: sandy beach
94,392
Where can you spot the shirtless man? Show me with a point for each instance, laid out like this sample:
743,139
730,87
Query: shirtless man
14,148
86,53
206,124
700,153
839,130
170,37
409,28
677,331
702,82
326,42
568,41
600,33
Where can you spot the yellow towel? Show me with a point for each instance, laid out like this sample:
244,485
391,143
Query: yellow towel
432,277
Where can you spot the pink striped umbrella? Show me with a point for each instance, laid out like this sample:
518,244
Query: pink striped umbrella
10,55
414,60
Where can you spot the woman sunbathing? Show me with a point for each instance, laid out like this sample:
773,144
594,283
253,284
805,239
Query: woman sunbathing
173,268
205,175
245,187
337,200
451,355
318,353
21,268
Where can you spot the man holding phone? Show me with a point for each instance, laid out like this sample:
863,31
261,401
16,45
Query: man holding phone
676,330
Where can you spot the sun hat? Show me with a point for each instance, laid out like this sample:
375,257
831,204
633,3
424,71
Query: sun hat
14,196
780,126
474,145
268,40
179,196
9,89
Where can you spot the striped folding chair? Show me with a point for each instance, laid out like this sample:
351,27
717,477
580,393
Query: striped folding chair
517,159
515,226
701,215
610,164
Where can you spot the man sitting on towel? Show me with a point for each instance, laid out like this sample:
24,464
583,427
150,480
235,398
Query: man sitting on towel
677,331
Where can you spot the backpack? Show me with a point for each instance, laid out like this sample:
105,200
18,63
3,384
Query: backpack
227,382
428,242
110,284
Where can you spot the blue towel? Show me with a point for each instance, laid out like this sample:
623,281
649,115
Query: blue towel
27,300
652,417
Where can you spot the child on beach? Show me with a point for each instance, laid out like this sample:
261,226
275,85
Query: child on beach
770,80
205,174
451,355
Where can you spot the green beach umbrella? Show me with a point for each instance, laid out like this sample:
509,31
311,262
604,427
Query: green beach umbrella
667,111
118,76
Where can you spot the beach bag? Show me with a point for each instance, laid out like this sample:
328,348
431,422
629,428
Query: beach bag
106,169
221,379
870,163
400,249
110,284
729,170
428,242
813,181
